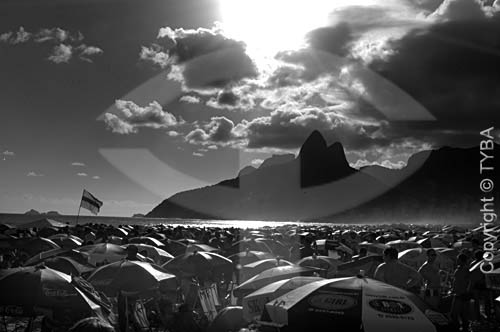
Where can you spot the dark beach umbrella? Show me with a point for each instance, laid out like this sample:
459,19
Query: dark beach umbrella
175,247
368,264
131,277
103,252
71,253
25,290
228,319
68,265
198,263
41,223
33,246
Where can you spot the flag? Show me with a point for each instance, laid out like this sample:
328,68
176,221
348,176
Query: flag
90,203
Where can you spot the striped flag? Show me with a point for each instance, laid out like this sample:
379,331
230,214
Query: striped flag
90,202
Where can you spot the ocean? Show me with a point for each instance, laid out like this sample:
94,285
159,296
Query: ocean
16,219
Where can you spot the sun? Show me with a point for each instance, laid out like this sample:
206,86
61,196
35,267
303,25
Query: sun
270,26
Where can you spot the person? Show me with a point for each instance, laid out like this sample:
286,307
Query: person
460,291
479,292
432,280
92,324
132,251
395,273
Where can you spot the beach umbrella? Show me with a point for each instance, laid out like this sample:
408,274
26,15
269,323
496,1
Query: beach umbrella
228,319
249,244
33,246
432,242
67,241
160,256
326,263
146,240
416,257
452,253
71,253
30,290
251,269
276,247
131,277
368,264
253,303
68,265
198,263
41,223
249,256
175,247
374,248
103,252
402,245
119,231
274,274
353,304
200,247
462,244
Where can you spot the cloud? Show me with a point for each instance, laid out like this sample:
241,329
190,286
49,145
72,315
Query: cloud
54,34
129,117
459,10
257,162
21,36
65,44
35,174
79,164
61,53
81,174
154,55
8,153
87,51
219,129
96,177
190,99
173,133
197,154
455,78
4,37
201,58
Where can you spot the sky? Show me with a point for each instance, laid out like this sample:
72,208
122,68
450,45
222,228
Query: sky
138,100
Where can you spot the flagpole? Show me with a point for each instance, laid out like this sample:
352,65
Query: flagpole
79,207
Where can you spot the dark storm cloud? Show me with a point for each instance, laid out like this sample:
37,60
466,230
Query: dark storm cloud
207,58
452,69
333,39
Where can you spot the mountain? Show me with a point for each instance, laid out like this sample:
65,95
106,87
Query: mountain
32,212
319,184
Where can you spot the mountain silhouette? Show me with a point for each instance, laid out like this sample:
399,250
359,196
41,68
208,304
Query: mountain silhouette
320,185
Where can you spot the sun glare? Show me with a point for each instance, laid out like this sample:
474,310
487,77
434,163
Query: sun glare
269,26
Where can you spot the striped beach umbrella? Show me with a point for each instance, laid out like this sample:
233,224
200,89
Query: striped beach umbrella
352,304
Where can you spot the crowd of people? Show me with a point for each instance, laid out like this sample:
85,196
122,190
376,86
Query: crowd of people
461,293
